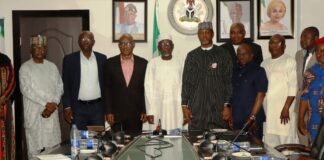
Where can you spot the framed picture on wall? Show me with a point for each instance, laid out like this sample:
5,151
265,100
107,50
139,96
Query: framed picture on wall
275,17
185,15
234,11
129,17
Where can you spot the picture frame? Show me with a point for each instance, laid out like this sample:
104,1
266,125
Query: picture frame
185,15
129,17
234,11
281,21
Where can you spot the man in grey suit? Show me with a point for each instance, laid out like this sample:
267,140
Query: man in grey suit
305,58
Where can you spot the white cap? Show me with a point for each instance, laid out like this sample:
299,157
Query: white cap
165,36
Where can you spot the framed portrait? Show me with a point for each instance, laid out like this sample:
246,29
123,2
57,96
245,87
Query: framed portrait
129,17
185,15
234,11
275,17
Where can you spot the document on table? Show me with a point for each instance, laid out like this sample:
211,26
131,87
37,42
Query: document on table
53,157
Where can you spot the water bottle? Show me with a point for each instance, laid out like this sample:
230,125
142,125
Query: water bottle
85,134
89,143
75,143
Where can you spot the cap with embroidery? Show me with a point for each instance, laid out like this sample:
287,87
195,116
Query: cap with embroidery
319,41
38,40
205,25
164,36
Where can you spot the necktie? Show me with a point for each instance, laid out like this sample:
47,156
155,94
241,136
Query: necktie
305,59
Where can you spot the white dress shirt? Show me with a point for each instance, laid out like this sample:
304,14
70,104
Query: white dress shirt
89,83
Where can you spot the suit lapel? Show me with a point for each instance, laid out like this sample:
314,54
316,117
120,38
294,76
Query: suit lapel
232,48
134,71
120,71
78,69
99,68
312,61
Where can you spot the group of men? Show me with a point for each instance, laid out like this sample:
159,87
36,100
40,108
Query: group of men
228,86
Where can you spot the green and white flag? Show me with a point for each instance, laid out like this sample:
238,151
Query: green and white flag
156,31
1,35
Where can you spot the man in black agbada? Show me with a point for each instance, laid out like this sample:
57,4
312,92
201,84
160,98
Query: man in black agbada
206,84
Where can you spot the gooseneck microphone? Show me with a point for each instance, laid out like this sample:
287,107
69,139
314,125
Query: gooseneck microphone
159,131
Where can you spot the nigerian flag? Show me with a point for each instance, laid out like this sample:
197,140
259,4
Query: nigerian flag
156,31
1,35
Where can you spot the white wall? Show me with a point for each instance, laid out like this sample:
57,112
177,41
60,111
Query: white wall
101,23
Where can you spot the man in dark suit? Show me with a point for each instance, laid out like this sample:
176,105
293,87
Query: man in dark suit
83,84
237,37
124,89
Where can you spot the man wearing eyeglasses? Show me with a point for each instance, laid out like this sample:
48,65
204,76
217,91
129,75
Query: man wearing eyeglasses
83,84
124,89
163,87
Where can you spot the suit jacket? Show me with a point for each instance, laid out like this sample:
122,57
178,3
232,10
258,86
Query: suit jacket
125,102
72,77
256,49
300,62
299,56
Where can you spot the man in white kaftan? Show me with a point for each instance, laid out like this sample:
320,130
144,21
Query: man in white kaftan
280,126
41,87
163,88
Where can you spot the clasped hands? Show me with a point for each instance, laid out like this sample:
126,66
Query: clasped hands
49,109
187,116
110,118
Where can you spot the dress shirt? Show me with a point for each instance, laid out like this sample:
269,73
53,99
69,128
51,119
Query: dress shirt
89,83
127,67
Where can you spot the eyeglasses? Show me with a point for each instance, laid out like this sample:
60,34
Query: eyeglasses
125,43
164,44
86,40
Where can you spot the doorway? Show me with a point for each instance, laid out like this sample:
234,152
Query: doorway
62,28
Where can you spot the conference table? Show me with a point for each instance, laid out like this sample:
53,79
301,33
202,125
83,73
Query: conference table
169,147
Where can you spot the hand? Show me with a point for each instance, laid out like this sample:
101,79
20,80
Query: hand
230,123
285,115
302,128
2,112
251,125
150,119
110,119
51,107
68,115
2,100
46,113
227,114
143,117
187,116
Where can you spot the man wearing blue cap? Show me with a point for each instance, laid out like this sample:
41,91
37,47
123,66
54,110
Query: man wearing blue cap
206,83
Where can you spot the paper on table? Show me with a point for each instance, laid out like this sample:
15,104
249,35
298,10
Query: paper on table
53,157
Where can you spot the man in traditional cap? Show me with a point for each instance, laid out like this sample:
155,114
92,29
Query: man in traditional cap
312,98
83,84
206,83
163,87
280,126
41,86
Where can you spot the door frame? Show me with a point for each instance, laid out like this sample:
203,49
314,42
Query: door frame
16,15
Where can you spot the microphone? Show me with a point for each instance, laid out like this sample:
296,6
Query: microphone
159,131
241,131
246,125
